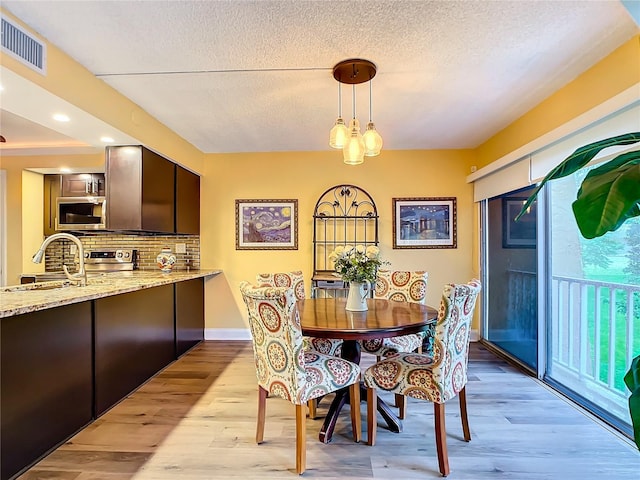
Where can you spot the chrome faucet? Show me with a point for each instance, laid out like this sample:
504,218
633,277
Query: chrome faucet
81,276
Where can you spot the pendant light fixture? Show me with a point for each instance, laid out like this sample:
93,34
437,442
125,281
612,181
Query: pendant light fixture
353,150
352,72
339,132
372,139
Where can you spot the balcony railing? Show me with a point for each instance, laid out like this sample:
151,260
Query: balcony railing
595,327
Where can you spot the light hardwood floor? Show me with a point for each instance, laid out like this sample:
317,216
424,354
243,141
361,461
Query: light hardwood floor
196,420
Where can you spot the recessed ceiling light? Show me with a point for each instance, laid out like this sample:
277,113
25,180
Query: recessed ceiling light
107,139
61,117
65,169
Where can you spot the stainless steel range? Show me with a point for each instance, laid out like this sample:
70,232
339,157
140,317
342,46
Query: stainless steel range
110,260
95,262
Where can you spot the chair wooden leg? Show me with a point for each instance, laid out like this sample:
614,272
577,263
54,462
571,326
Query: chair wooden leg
401,403
420,348
462,397
441,439
372,410
301,439
312,404
262,407
356,419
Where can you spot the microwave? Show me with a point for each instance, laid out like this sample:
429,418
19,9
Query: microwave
81,213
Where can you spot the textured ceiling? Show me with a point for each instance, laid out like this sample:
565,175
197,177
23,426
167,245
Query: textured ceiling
240,76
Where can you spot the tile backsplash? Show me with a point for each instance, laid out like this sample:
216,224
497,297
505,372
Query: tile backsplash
148,246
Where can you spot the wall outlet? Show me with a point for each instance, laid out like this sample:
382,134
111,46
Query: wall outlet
73,248
181,248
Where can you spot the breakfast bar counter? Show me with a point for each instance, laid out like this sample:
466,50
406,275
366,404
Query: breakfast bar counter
32,297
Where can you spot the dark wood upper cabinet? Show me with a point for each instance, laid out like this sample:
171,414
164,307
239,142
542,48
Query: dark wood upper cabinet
83,184
187,201
140,190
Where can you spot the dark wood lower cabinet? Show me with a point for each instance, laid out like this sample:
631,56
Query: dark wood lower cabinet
134,338
46,386
189,314
63,367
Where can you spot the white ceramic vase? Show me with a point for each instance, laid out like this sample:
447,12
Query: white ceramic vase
166,260
357,297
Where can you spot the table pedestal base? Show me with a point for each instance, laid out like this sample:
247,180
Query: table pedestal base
351,352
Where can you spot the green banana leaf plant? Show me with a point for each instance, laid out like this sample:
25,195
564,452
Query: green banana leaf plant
632,381
608,196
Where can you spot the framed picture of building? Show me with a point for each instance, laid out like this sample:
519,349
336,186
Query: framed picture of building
266,224
428,222
521,233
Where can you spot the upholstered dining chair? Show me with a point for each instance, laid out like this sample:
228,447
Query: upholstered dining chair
295,280
401,287
438,377
285,369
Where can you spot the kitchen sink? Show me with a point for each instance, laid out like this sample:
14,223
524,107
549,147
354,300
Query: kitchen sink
29,287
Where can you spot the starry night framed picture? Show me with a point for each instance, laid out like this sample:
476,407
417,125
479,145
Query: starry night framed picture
266,224
428,222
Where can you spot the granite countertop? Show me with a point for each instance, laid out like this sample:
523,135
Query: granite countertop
31,297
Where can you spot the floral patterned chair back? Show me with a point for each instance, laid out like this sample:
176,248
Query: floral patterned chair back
295,280
402,286
451,341
277,340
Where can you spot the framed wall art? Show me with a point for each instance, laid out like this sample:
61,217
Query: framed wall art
428,222
266,224
520,234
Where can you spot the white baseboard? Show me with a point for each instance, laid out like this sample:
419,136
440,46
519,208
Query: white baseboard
227,334
244,334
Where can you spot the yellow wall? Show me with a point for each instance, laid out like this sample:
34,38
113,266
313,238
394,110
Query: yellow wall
14,167
32,230
614,74
305,176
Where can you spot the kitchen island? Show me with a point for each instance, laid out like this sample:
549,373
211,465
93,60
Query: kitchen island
70,353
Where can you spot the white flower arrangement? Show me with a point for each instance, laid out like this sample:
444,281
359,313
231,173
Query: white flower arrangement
357,263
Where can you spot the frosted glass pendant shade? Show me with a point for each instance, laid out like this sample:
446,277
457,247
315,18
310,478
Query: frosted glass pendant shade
338,135
353,150
372,141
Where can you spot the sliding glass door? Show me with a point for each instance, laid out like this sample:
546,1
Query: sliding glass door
587,331
594,307
511,279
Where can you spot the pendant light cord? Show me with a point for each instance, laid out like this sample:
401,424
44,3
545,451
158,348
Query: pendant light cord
354,100
370,100
339,100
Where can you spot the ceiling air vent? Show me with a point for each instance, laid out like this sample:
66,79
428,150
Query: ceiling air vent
24,46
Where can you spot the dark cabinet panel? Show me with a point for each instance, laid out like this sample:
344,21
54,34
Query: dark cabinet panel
158,193
189,314
187,201
46,382
140,190
134,338
52,190
83,184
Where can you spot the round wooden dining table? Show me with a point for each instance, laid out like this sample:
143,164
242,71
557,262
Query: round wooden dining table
328,318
